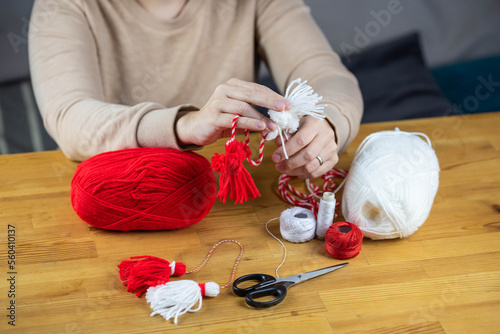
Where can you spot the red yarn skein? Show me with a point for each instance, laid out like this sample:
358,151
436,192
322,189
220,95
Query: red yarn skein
143,189
343,240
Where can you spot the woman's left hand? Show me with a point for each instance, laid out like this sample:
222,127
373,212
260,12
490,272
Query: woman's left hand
315,138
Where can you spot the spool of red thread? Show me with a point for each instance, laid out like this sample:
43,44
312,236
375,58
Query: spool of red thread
143,189
343,240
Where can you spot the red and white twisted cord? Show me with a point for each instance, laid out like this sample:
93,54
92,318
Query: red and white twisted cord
261,149
247,142
233,128
310,201
210,253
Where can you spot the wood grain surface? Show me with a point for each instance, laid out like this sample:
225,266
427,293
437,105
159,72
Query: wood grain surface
443,279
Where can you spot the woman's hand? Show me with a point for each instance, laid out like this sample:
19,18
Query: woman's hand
214,120
314,138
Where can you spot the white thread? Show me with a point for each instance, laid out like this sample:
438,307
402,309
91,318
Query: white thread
326,214
297,224
340,186
175,298
282,141
304,102
172,268
391,185
284,248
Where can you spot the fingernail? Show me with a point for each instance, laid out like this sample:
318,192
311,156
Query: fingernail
276,157
261,125
279,167
287,104
271,125
279,105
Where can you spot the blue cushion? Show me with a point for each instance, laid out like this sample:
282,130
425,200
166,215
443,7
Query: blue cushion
396,83
472,86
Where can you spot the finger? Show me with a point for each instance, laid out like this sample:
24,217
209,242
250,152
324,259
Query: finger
306,161
234,107
306,155
303,168
278,141
225,121
313,169
325,168
256,94
298,141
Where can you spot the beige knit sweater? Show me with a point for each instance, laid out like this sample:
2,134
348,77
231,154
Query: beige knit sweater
109,75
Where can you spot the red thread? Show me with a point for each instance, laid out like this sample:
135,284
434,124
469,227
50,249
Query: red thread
235,180
141,272
311,201
202,288
143,189
343,240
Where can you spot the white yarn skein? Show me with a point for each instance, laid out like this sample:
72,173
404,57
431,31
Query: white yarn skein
391,185
297,225
326,214
304,102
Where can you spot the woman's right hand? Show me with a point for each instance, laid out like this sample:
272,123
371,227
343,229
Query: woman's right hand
214,120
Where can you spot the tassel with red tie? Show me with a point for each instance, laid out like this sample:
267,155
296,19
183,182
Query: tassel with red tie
235,180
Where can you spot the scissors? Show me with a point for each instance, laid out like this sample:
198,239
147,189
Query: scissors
269,286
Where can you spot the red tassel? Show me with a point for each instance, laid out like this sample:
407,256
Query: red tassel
149,271
235,180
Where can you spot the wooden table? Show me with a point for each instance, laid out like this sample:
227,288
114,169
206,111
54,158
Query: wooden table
444,278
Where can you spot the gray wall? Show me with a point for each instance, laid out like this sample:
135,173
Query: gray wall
14,18
451,30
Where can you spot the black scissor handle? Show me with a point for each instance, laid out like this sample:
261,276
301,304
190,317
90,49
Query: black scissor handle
276,291
260,278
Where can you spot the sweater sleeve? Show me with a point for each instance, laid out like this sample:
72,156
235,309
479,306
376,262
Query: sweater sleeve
293,46
69,91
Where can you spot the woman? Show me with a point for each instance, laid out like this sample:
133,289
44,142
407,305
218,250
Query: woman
113,74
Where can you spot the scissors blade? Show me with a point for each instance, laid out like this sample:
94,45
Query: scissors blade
295,279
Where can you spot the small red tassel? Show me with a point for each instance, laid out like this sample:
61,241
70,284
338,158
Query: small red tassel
235,180
149,271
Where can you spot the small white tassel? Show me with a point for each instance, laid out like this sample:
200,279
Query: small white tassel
173,299
304,102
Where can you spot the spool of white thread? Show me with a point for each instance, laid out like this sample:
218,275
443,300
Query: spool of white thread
297,224
391,185
326,214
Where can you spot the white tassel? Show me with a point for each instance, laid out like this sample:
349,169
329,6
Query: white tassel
304,102
173,299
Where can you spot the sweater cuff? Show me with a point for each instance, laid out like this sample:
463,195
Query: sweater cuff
341,126
157,128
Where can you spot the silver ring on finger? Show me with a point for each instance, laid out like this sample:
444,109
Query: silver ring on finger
320,160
